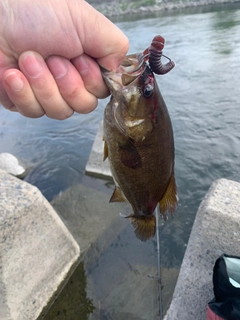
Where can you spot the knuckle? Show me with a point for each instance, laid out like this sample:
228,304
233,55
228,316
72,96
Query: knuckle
81,100
87,107
70,95
65,115
59,113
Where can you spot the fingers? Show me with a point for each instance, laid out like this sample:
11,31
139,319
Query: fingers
6,63
21,97
43,83
91,75
56,87
81,82
33,90
43,87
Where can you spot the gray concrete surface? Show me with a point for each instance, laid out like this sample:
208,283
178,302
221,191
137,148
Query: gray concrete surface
95,165
88,215
37,250
216,230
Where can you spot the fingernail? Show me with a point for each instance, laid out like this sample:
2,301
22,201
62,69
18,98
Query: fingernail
14,81
32,65
57,66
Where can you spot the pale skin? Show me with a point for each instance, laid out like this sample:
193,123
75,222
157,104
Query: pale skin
50,53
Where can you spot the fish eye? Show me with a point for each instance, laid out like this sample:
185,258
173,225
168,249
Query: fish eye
148,90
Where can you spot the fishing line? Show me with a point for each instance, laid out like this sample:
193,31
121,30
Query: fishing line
159,264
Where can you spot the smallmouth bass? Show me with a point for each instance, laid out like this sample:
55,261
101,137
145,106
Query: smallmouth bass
138,139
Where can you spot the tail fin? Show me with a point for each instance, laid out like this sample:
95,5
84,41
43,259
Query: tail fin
144,227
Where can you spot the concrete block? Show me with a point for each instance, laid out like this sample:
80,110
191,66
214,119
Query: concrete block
95,165
216,230
37,250
88,214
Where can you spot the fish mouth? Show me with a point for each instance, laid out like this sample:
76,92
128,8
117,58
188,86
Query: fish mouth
132,66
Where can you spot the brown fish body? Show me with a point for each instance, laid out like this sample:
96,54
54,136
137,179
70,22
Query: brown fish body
140,147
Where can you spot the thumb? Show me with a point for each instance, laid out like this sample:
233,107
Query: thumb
101,38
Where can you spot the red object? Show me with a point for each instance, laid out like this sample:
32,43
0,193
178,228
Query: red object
211,315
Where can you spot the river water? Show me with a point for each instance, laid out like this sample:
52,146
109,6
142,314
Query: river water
202,94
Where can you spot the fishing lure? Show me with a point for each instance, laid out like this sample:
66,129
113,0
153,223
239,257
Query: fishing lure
154,54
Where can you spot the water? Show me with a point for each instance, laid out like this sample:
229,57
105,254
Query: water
202,94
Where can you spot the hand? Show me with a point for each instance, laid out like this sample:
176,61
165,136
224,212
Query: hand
50,52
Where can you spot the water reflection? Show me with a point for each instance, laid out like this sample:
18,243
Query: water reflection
73,301
225,25
226,20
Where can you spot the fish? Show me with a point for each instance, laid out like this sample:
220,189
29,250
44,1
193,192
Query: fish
139,142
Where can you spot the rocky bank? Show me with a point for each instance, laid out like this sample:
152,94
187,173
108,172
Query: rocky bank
111,8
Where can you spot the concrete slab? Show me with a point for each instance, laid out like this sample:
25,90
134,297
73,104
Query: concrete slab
216,230
37,250
88,215
95,165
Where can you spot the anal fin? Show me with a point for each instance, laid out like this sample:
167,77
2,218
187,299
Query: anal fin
169,202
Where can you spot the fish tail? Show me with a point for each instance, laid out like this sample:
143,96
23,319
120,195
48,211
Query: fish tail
144,227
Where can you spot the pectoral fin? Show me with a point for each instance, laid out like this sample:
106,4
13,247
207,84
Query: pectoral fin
129,155
168,203
117,196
